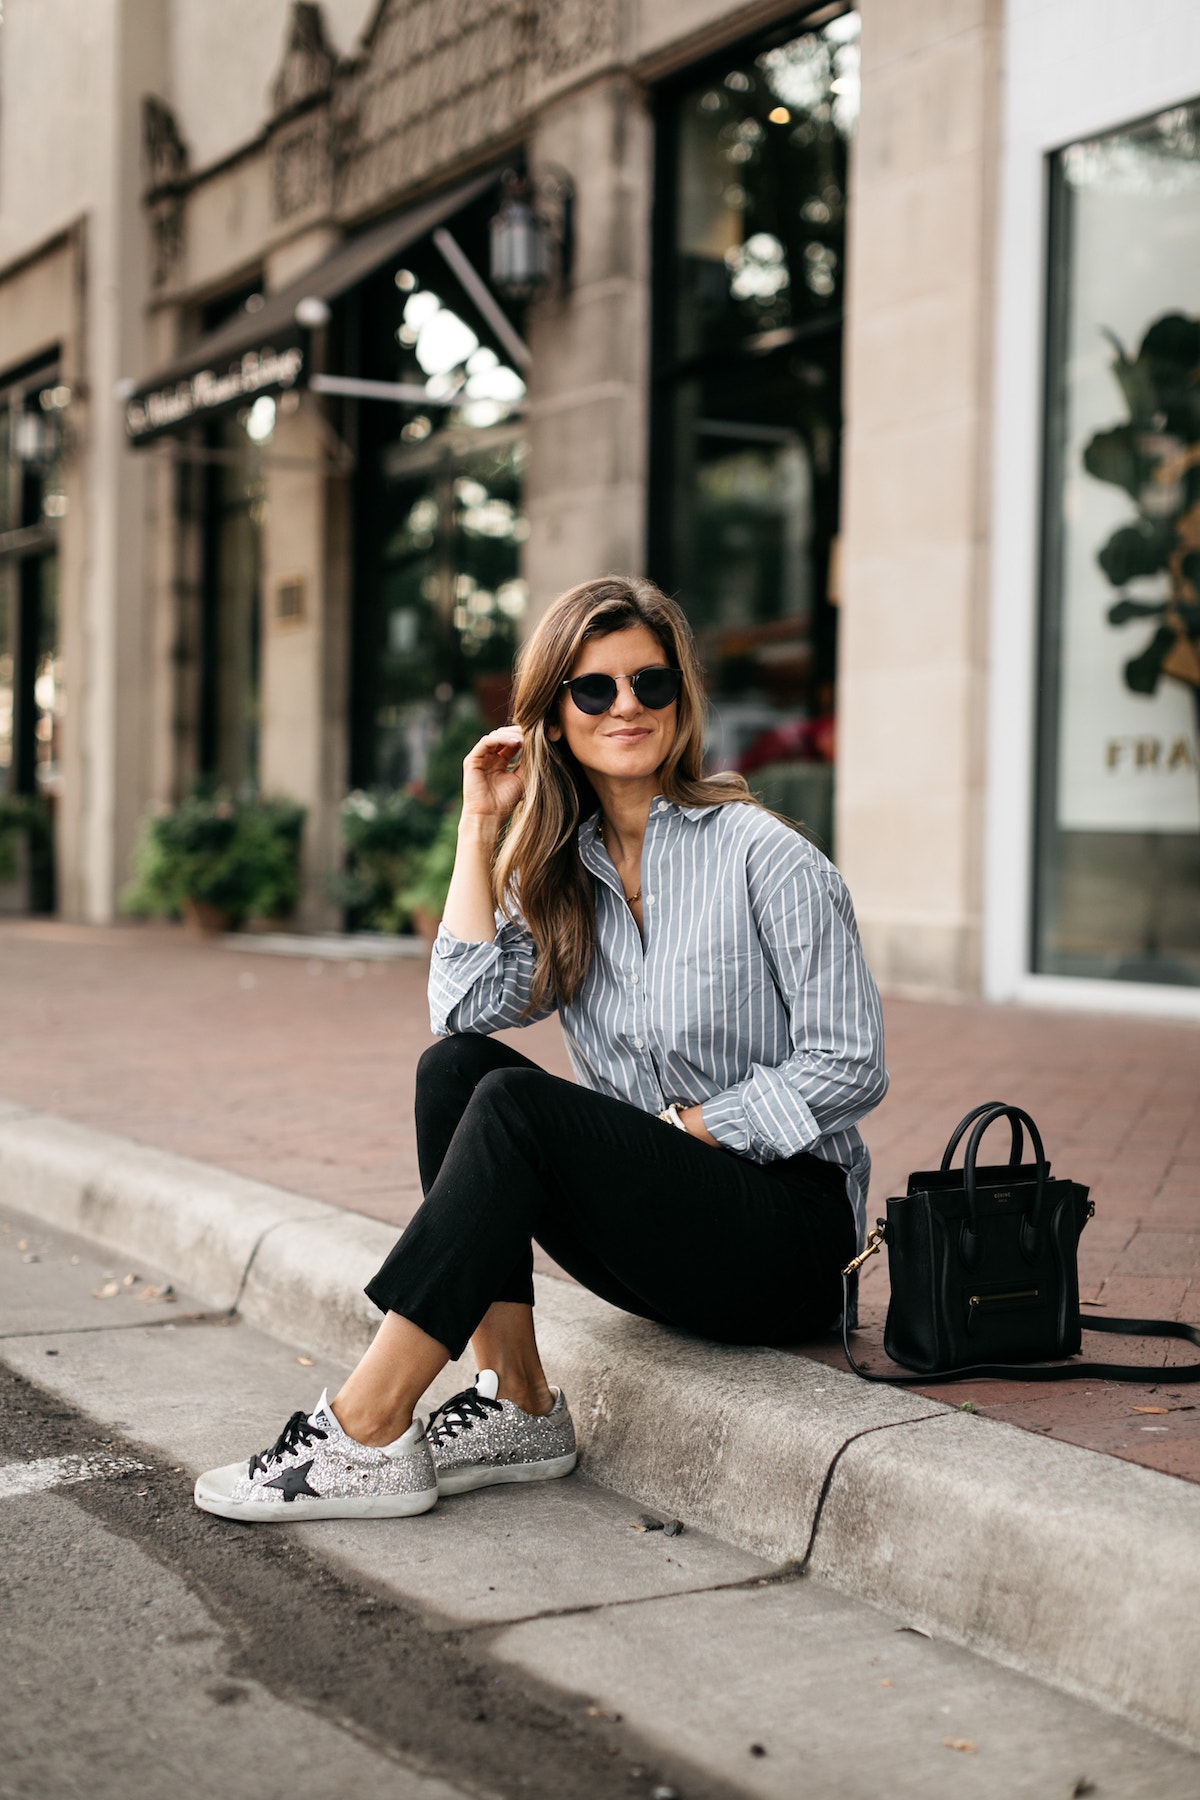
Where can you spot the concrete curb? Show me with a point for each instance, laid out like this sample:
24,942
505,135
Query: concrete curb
1071,1566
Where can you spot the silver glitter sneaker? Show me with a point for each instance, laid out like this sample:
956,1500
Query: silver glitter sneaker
314,1471
478,1441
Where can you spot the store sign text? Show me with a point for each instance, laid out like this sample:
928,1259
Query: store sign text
207,391
1123,753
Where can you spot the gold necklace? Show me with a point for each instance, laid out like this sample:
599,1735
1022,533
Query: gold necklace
630,899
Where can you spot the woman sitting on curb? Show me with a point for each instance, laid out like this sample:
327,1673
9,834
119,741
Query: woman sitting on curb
706,1172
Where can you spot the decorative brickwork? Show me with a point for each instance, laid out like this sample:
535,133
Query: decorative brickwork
439,80
165,158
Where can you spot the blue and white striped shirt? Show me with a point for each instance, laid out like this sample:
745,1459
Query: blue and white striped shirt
750,993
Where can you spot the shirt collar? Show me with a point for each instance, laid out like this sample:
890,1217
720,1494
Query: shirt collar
589,830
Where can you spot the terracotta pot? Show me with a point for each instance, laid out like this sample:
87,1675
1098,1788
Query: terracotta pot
203,920
427,924
279,922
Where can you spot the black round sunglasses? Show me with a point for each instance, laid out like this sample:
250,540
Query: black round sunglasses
655,687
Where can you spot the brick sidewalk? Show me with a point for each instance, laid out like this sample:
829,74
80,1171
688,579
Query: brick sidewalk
300,1073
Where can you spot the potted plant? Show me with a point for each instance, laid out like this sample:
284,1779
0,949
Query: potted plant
216,861
26,853
385,833
425,896
398,841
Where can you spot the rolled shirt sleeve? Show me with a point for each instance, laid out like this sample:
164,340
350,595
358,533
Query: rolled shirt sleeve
835,1073
482,987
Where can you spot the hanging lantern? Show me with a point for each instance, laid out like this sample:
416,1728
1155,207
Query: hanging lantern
522,245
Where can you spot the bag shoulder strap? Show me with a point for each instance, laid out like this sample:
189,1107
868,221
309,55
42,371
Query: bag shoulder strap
1068,1371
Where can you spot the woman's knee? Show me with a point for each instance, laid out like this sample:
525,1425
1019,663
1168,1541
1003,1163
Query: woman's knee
519,1094
512,1083
463,1055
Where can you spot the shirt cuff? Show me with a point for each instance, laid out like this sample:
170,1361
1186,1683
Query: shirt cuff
448,948
763,1127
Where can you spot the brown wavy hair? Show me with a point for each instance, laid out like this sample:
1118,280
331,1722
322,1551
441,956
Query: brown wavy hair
538,870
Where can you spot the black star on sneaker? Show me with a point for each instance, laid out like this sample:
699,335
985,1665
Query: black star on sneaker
295,1481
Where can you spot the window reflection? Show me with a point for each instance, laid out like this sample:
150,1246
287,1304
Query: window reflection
451,598
1118,868
439,527
231,656
748,393
33,501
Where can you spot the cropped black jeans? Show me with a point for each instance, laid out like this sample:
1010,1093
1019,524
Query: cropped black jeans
654,1221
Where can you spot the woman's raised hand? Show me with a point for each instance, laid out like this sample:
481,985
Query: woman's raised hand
490,787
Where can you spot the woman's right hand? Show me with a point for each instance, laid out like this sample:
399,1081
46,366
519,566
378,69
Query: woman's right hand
490,787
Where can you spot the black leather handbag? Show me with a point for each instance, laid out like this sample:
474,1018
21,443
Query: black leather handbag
983,1266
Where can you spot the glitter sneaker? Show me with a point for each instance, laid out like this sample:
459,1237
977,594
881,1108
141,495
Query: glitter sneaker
314,1471
478,1440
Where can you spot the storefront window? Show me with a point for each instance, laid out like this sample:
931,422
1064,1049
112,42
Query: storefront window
451,597
231,620
747,418
1118,865
439,528
32,504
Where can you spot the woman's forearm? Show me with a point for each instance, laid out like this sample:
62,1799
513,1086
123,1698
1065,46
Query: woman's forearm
470,913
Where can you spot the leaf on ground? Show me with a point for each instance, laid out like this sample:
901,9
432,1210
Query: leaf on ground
886,1683
916,1630
306,1362
960,1744
1152,1409
107,1291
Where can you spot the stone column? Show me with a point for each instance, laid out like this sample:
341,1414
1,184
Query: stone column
113,678
915,533
304,699
585,491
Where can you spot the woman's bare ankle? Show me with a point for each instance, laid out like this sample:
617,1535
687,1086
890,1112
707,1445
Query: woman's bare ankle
532,1397
373,1429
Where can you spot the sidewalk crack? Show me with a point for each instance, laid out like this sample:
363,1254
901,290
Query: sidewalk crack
822,1497
188,1318
778,1577
259,1241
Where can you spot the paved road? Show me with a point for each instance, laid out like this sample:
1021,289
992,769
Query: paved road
513,1642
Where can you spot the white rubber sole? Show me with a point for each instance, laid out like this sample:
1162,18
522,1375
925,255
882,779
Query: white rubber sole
212,1495
461,1481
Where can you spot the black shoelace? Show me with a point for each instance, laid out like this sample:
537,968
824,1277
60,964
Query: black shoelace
297,1434
459,1414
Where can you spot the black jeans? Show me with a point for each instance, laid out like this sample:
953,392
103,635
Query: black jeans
650,1219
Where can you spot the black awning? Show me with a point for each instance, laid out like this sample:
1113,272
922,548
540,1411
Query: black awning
264,352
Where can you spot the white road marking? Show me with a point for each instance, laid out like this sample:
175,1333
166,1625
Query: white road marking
60,1471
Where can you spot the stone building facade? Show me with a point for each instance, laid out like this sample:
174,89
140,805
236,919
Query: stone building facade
241,592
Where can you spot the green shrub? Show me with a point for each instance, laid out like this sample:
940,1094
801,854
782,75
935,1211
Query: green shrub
385,832
400,841
240,856
432,870
21,813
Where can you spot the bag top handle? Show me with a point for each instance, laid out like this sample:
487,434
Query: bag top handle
988,1106
1016,1117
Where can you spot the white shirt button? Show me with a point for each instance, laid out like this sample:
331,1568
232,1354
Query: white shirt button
638,1044
635,979
649,899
